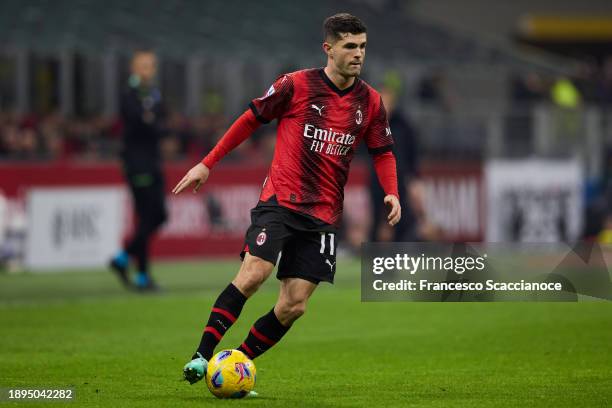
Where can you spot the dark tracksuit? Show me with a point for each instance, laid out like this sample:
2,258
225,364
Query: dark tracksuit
406,153
142,114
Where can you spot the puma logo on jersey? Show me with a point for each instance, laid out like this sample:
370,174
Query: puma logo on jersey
315,107
331,265
270,92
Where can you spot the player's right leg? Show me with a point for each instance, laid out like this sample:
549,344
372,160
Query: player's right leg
253,272
264,241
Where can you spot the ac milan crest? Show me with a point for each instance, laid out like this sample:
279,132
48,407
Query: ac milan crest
261,238
358,117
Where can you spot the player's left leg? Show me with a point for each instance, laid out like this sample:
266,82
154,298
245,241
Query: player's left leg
270,328
306,260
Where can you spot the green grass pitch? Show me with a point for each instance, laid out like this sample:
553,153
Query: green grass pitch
120,349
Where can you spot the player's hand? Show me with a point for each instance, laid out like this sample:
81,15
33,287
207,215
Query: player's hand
198,175
396,210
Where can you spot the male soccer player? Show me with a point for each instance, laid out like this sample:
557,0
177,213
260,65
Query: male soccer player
322,115
142,113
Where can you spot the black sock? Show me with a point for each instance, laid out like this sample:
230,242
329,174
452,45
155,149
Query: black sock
224,313
265,333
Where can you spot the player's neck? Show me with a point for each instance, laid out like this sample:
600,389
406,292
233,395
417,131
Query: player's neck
340,81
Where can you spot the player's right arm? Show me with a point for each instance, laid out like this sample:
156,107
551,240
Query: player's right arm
262,110
240,130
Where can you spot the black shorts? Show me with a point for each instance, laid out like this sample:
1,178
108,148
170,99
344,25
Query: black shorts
302,246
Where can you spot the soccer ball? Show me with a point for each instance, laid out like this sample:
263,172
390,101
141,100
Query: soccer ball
230,374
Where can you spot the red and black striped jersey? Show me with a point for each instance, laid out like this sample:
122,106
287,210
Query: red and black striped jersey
319,128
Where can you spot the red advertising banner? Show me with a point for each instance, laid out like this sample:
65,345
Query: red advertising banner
213,221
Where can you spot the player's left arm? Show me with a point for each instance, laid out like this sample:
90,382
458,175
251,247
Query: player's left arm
380,145
386,171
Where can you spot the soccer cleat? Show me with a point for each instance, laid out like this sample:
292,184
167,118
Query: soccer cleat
195,370
120,269
251,394
144,283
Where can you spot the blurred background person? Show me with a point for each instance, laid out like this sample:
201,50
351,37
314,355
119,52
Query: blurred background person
142,114
434,90
410,190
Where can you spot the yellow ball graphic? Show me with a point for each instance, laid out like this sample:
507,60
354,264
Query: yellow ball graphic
230,374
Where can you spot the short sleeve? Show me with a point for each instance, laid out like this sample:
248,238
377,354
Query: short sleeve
275,102
378,136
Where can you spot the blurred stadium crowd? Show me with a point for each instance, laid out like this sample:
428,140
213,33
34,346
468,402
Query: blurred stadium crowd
54,136
47,134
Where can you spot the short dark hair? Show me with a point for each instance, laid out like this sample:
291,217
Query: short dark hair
342,23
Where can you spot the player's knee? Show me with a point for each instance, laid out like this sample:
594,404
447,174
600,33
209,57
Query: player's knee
252,275
250,282
297,310
291,311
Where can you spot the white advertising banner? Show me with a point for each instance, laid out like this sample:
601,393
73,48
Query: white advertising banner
73,227
534,201
454,203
